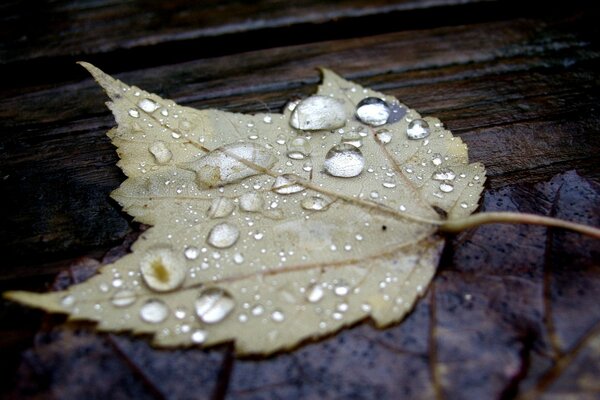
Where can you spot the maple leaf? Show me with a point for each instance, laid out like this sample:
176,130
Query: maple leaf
272,229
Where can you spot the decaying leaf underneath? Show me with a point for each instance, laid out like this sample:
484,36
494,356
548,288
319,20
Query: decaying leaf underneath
267,235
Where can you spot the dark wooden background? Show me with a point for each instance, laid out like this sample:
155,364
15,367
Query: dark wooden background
516,80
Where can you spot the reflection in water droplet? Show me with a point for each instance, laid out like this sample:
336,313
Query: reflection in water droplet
298,148
373,111
123,298
154,311
162,270
148,105
134,113
223,235
161,153
251,202
199,336
286,184
213,305
221,207
315,293
344,161
446,187
191,252
277,316
445,174
319,112
384,136
417,129
314,203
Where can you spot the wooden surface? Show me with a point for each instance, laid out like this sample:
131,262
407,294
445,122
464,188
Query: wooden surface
517,82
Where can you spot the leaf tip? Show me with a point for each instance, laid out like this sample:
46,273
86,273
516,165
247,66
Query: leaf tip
31,299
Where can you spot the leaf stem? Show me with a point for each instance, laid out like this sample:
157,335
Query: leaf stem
457,225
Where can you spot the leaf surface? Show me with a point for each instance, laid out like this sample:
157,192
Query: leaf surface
267,235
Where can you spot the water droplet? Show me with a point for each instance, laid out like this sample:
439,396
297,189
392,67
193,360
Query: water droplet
445,174
223,235
162,270
374,194
464,205
344,161
417,129
228,164
314,203
267,119
298,148
67,301
191,252
258,310
258,235
286,184
238,258
341,289
446,187
213,305
154,311
199,336
319,112
134,113
148,105
307,166
161,153
123,298
373,111
315,293
352,137
436,159
164,112
251,202
277,316
221,207
389,182
365,307
384,136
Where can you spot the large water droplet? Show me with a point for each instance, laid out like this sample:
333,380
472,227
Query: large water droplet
221,207
314,203
251,202
344,161
223,235
384,136
154,311
213,305
373,111
298,148
417,129
161,153
445,174
315,293
123,298
286,184
148,105
231,163
319,112
162,270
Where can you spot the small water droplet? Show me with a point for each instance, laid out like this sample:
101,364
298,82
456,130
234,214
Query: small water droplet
267,119
223,235
154,311
319,112
280,139
221,207
148,105
341,289
199,336
446,187
251,202
258,235
436,159
365,307
307,166
67,301
373,111
164,112
374,194
445,174
258,310
277,316
286,184
117,282
123,298
344,161
417,129
213,305
238,258
314,203
389,182
191,252
315,293
298,148
160,151
384,136
464,205
134,113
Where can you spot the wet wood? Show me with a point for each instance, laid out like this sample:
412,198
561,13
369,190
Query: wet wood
517,83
